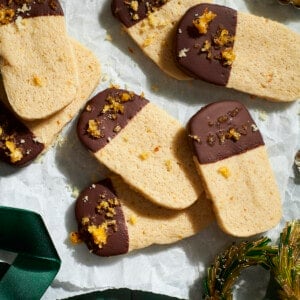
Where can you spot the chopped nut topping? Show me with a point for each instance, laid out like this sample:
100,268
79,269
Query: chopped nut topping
94,130
202,22
223,38
222,137
211,140
224,171
223,119
15,152
88,108
234,135
117,129
134,5
254,127
6,15
99,234
206,46
228,56
85,220
195,138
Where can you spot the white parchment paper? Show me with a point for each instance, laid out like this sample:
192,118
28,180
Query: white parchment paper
50,185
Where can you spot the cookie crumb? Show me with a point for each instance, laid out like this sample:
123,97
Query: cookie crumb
75,238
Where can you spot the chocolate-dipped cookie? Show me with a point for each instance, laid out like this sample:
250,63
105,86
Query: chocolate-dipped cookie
18,145
37,61
231,158
41,133
152,25
222,46
143,144
113,219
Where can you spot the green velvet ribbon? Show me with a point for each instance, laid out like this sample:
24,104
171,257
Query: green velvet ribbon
37,262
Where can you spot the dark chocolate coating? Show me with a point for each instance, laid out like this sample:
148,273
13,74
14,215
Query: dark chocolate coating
37,8
212,124
15,131
107,124
196,64
124,13
86,207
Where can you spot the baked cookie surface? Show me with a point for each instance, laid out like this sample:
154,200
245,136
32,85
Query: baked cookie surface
113,219
234,49
42,133
143,144
38,65
232,161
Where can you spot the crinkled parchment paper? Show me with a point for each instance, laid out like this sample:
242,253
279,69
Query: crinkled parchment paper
50,185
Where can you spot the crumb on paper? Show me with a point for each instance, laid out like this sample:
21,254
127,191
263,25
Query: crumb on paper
154,88
262,115
75,238
108,37
104,78
60,140
75,192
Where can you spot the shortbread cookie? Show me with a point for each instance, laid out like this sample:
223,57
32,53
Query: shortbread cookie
233,49
233,163
37,61
21,142
152,25
143,144
113,219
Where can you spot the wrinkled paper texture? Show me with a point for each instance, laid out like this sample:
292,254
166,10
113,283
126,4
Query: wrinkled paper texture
50,185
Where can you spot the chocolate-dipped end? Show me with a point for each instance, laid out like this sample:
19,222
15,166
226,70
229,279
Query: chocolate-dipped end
19,9
106,115
131,12
207,56
101,222
18,145
221,130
